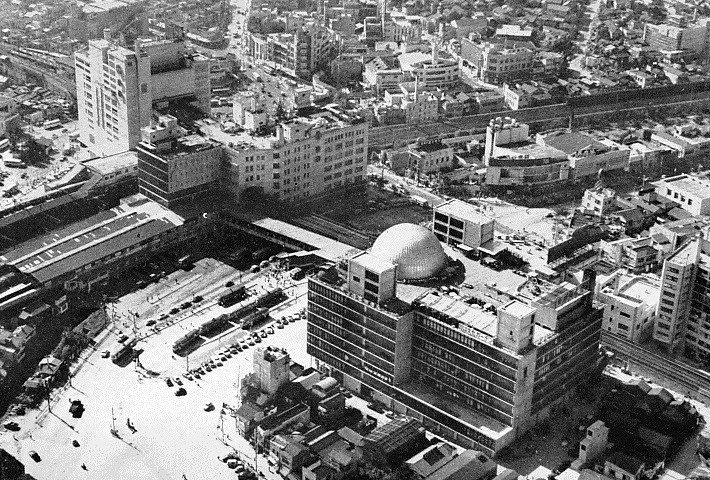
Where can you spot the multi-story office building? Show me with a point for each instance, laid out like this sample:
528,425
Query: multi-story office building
117,88
512,159
314,153
630,306
677,34
676,289
430,157
586,155
88,20
174,167
382,73
478,378
300,53
435,72
691,192
499,62
682,323
456,222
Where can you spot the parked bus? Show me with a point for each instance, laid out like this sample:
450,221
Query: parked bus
233,297
51,124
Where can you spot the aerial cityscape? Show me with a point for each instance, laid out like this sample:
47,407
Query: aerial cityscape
355,239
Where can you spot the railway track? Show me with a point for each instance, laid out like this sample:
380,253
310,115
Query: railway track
665,369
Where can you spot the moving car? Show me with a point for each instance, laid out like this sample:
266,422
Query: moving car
35,456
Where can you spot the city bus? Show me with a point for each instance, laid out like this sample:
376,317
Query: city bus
51,124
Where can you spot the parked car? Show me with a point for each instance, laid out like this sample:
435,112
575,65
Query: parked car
168,382
178,381
35,456
150,323
209,407
174,311
180,392
105,354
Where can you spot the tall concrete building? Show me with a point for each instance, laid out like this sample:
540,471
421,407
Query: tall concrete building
319,151
678,34
271,366
682,317
174,167
479,378
117,88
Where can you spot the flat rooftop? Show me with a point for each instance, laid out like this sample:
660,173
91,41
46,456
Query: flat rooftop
474,318
488,426
324,247
463,210
531,151
689,184
517,309
113,163
373,263
85,242
639,290
326,118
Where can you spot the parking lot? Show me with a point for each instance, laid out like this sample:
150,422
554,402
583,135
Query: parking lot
32,181
159,434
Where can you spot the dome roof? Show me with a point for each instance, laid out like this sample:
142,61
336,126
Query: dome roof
415,250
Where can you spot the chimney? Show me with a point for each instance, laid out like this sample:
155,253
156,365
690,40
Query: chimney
279,133
107,34
435,51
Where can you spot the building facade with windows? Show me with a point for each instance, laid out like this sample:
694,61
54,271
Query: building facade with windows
630,306
312,154
174,167
677,280
117,88
456,222
477,378
691,192
682,323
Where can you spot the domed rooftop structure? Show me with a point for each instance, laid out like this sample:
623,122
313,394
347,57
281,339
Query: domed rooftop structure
415,250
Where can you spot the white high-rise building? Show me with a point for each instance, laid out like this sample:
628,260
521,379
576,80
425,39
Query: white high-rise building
117,88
